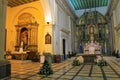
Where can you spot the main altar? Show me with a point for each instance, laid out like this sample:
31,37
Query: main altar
92,48
92,52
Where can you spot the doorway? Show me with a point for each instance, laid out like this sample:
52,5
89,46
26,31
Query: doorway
64,49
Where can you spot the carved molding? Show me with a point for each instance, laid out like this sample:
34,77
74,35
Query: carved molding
65,31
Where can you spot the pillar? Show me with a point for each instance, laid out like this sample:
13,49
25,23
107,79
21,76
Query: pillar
4,64
2,28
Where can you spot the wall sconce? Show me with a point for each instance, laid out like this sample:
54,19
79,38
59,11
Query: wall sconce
48,22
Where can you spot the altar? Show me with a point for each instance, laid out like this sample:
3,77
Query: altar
92,48
89,58
91,52
19,55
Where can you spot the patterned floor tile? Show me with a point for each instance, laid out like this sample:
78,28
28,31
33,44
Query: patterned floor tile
82,78
22,76
58,73
35,78
54,76
66,77
48,79
113,78
65,71
70,73
97,78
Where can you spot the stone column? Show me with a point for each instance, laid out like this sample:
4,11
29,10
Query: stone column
3,4
4,64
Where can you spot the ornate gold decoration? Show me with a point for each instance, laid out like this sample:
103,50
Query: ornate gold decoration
25,19
27,31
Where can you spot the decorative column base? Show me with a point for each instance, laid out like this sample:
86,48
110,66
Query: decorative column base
5,69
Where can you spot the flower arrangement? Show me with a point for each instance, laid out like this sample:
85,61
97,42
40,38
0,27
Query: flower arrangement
102,62
76,62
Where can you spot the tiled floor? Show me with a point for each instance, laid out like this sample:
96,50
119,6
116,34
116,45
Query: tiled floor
27,70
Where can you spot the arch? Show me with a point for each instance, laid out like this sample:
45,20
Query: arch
21,10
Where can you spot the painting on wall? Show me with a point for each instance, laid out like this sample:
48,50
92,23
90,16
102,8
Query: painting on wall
47,38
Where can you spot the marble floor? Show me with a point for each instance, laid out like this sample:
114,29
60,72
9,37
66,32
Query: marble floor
26,70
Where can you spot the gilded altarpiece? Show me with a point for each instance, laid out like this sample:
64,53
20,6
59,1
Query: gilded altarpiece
27,32
92,26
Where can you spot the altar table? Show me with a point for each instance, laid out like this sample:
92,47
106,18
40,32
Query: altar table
20,55
89,58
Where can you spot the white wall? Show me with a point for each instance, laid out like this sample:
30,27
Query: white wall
116,15
65,22
115,21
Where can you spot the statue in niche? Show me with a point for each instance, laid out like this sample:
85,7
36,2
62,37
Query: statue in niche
48,39
91,30
24,37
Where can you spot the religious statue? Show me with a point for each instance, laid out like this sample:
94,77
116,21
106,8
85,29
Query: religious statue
24,38
81,48
21,47
91,32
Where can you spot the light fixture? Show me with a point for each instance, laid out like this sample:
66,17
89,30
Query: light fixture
48,22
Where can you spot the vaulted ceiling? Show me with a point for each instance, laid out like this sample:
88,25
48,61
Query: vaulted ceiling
79,6
13,3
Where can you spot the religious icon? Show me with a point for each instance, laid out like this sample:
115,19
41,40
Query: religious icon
47,39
